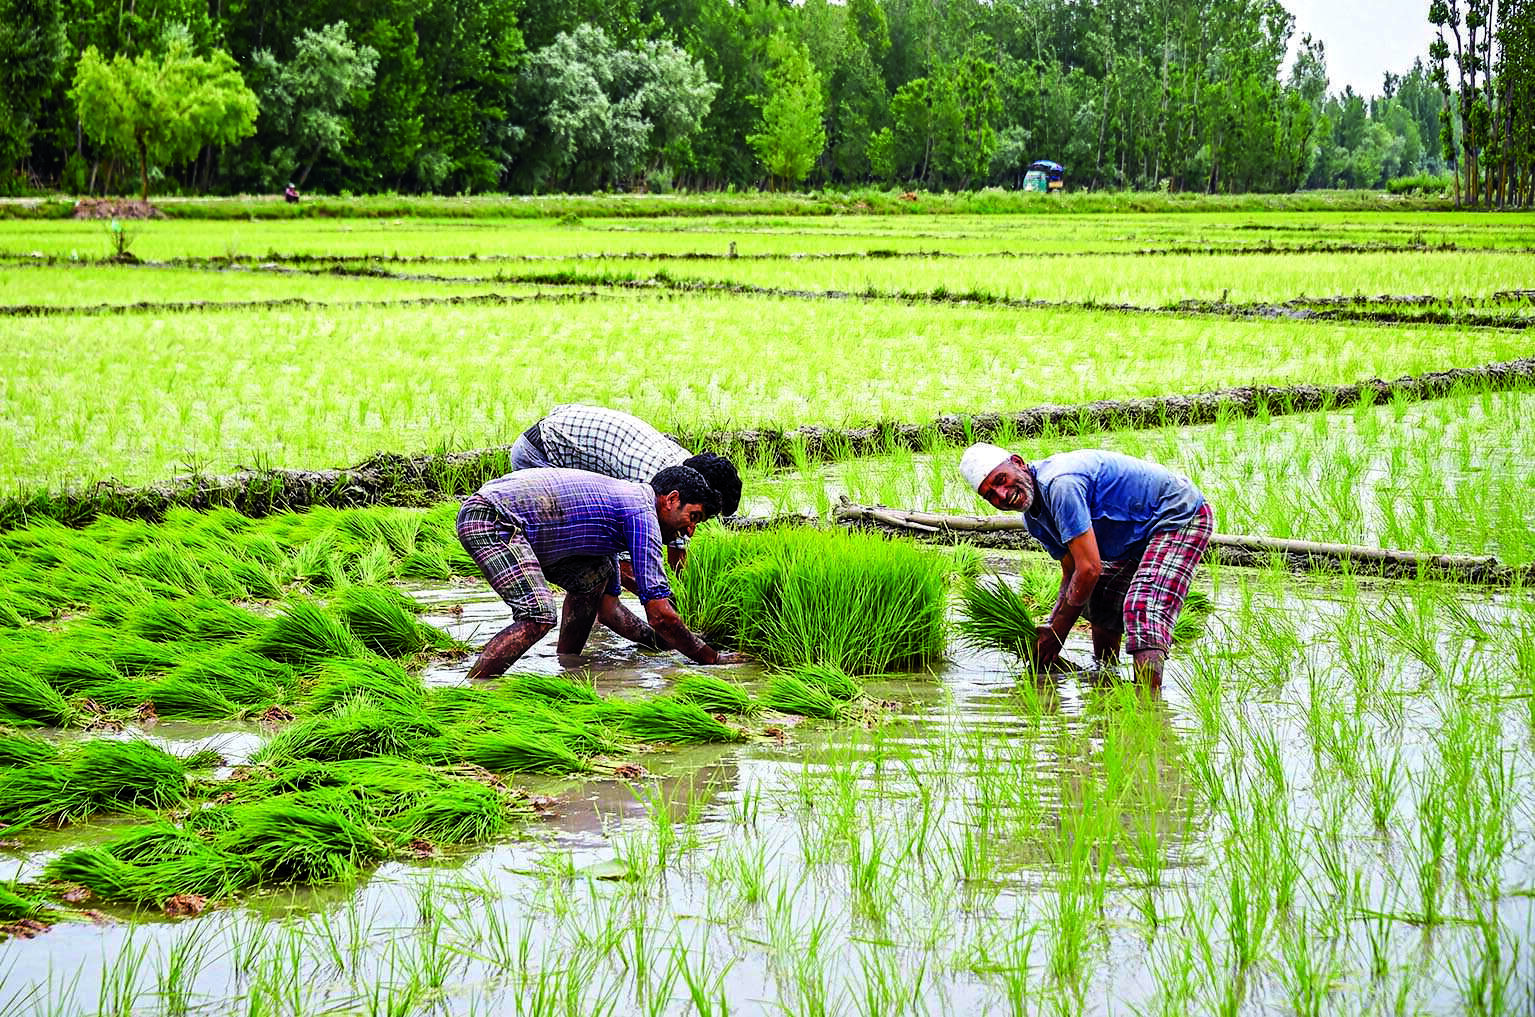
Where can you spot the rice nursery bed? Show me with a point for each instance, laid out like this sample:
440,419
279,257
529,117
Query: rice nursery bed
300,388
1329,810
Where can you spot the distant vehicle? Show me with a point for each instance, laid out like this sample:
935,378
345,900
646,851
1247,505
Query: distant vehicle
1045,176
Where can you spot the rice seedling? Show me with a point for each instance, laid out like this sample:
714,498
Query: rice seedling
354,730
462,813
858,601
295,839
124,653
830,679
715,694
17,902
385,620
339,681
237,674
789,693
999,617
171,696
93,776
666,719
17,749
552,688
305,635
27,699
514,750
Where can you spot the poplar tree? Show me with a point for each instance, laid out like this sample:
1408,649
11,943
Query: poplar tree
792,134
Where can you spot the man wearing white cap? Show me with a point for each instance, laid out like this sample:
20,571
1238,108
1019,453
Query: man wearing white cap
1128,534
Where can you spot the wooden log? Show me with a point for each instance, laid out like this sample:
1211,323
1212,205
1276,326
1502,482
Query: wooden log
1008,530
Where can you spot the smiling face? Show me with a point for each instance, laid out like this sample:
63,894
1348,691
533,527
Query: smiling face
677,519
1009,487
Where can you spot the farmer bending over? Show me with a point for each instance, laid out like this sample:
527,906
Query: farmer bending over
565,526
620,445
1128,534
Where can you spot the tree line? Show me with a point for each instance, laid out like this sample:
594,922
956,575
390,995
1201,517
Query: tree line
527,96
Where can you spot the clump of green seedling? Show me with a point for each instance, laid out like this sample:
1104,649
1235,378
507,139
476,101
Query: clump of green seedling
386,622
666,719
305,635
999,617
355,729
715,694
342,680
93,776
789,692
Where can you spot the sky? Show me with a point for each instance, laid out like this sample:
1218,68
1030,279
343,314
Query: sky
1364,38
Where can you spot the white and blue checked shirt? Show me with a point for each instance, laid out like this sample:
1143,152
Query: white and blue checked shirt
610,442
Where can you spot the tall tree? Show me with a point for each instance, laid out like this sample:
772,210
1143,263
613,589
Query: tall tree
792,133
162,109
308,100
34,47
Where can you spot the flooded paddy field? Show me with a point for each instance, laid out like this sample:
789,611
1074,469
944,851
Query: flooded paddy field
1328,810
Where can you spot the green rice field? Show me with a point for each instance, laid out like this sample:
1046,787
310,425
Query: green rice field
243,772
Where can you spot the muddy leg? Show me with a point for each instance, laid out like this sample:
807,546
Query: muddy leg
506,646
576,619
1148,667
1105,646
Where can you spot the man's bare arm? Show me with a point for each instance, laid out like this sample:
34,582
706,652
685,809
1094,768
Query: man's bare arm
672,632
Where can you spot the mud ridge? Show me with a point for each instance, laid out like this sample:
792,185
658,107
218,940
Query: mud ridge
394,479
287,303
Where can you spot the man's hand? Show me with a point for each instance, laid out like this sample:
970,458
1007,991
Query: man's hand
730,657
671,631
1047,649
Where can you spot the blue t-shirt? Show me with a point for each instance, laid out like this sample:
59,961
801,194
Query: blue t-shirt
1124,499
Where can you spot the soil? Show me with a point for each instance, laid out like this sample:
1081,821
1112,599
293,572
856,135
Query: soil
116,208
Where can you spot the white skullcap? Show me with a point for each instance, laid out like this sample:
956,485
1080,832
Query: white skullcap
979,460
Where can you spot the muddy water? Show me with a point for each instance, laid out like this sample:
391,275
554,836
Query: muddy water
936,862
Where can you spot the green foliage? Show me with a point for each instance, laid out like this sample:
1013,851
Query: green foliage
791,135
93,776
159,110
715,694
385,621
307,101
32,39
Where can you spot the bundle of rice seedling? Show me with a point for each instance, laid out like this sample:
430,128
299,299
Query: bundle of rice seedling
27,699
577,725
117,774
385,620
1193,618
124,653
318,564
339,681
789,693
998,617
830,679
89,777
664,719
181,696
796,596
18,749
462,813
167,566
157,619
304,635
373,567
715,694
359,728
426,563
258,579
549,688
520,750
17,903
239,675
37,793
64,670
454,704
151,863
295,839
966,561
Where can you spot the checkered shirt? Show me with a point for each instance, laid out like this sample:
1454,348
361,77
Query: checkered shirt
610,442
566,513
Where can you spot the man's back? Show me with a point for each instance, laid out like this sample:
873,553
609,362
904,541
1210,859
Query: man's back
609,442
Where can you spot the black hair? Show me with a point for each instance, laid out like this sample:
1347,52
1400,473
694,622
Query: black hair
720,473
690,485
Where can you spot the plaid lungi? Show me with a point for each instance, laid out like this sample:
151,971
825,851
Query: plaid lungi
508,562
1141,595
